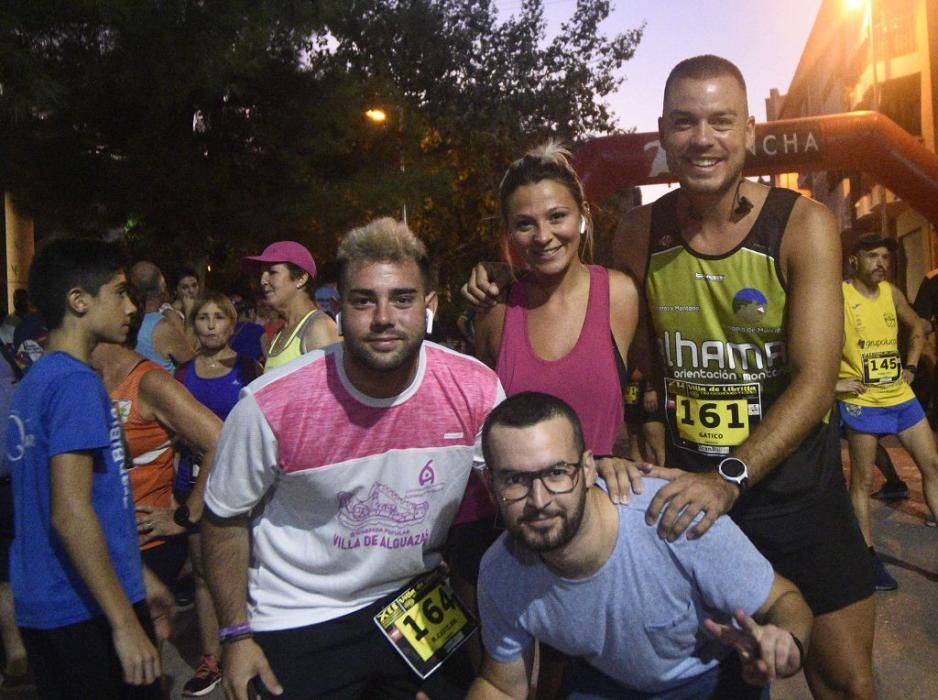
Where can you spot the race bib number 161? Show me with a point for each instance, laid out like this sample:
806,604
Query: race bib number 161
712,419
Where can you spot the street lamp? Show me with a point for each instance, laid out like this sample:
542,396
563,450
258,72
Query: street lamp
376,115
379,116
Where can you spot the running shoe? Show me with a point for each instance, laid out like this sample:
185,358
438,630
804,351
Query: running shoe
930,521
898,491
881,577
206,677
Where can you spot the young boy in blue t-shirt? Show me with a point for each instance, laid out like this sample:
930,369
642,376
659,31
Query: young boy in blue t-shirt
77,580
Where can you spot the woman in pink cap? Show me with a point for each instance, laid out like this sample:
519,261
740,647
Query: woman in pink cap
287,273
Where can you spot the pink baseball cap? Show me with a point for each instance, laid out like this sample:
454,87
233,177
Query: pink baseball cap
282,252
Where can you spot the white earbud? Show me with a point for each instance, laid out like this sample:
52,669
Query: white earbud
429,321
338,323
582,225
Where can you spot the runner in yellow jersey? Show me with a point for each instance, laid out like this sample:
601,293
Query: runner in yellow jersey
873,389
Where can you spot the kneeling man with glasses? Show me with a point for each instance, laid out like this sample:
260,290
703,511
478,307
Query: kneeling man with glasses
642,616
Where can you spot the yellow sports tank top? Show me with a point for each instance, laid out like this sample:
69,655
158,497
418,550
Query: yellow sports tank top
871,348
294,347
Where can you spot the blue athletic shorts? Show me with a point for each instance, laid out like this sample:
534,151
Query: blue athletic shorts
890,420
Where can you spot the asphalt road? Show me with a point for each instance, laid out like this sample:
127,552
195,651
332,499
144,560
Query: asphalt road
905,652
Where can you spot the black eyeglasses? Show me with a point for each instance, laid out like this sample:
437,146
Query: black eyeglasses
558,479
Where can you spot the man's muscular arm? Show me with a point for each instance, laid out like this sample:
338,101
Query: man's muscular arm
811,263
811,266
226,551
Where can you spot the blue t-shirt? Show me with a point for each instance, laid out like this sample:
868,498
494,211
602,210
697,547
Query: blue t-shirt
61,406
639,619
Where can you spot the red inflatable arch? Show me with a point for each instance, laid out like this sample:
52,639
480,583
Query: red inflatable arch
865,141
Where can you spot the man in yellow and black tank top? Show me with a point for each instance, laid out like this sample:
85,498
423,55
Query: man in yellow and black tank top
873,387
741,283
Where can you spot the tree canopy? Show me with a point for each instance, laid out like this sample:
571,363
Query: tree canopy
206,128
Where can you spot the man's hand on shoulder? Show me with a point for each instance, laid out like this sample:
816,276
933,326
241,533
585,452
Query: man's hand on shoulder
241,661
688,495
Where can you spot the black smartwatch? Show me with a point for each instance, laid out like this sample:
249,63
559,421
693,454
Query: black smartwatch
912,368
735,471
181,518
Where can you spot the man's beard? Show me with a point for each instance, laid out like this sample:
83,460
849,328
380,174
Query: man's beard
383,361
557,537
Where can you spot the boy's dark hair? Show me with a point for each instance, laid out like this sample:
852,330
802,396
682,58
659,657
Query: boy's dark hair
65,264
526,409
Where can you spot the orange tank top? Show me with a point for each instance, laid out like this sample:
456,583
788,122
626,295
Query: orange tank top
148,443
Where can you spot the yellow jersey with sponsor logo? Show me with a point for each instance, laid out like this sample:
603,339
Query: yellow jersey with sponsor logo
871,348
721,326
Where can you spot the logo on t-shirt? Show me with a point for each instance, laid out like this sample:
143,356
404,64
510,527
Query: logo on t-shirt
123,408
16,432
749,305
383,506
427,475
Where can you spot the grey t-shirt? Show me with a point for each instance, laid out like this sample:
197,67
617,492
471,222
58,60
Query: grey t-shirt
639,618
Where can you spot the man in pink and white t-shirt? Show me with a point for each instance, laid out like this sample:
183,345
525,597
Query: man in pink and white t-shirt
335,482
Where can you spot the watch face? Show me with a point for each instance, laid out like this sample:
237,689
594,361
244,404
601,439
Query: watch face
733,468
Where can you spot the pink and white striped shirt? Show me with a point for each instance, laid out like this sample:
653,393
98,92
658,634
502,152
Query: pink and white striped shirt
350,496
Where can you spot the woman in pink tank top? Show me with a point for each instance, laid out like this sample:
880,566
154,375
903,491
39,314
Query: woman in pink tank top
565,326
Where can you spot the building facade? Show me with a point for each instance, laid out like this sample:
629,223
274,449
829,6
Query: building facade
879,55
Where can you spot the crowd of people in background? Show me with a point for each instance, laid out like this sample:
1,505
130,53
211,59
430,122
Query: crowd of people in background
672,525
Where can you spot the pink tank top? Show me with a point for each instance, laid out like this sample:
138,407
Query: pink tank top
586,378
